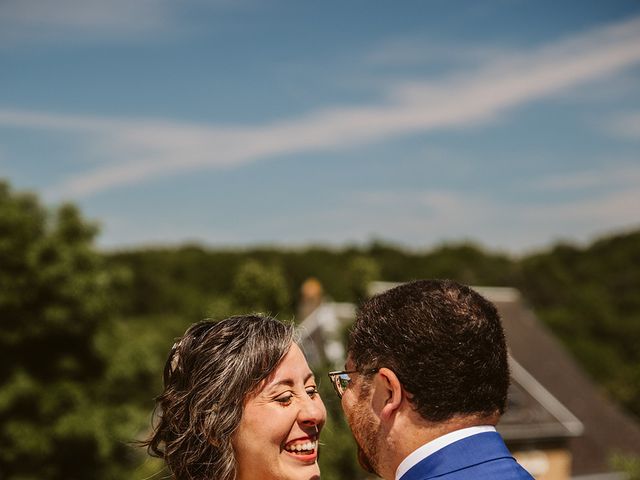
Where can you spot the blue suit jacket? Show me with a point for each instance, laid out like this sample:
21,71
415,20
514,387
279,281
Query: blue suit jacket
479,457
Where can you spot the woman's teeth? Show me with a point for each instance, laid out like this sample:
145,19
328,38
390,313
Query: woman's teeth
302,447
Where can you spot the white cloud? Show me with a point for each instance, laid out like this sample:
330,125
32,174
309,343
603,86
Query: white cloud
137,150
44,20
34,20
610,176
83,13
119,231
411,218
625,125
57,122
596,213
420,218
420,51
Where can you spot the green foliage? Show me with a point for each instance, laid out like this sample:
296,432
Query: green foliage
84,335
338,449
55,296
589,298
261,288
171,281
464,262
136,349
361,271
628,464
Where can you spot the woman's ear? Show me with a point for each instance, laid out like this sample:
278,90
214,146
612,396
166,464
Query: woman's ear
388,392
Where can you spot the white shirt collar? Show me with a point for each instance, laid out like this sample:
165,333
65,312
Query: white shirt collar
439,443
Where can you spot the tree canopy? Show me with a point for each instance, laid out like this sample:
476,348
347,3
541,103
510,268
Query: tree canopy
56,294
85,333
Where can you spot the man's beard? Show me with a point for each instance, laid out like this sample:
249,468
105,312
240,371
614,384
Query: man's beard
366,434
364,461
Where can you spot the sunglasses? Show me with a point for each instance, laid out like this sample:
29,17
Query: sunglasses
340,379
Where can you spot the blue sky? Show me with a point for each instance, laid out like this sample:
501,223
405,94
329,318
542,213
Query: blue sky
512,123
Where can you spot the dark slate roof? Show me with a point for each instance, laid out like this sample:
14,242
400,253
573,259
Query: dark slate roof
607,429
534,416
551,398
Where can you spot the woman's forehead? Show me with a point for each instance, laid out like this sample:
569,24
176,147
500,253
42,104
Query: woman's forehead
293,365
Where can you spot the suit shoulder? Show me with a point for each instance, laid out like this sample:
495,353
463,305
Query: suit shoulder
499,469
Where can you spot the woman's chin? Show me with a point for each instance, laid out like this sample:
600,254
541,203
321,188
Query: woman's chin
303,469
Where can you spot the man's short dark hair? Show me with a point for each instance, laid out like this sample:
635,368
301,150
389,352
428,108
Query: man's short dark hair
443,340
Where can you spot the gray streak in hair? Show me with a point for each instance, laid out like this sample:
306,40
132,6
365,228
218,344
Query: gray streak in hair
208,375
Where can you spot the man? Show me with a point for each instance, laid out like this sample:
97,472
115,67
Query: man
425,383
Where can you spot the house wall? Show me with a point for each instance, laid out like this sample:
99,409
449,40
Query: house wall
548,464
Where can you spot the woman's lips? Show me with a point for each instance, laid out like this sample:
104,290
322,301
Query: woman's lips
304,450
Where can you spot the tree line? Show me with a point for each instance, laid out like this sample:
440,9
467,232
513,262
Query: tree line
85,332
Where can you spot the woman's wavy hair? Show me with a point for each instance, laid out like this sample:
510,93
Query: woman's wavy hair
208,375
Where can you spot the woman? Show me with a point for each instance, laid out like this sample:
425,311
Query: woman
239,403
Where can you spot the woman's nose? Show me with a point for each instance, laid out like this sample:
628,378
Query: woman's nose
312,412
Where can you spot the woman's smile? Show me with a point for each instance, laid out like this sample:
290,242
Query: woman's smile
278,435
304,449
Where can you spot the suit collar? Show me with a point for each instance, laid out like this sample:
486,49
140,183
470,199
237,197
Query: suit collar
433,446
469,451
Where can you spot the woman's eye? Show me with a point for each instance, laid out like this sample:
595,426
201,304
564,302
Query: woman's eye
312,391
284,399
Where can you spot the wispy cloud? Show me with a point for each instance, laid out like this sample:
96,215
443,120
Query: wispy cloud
27,20
601,212
412,218
138,150
37,20
610,176
626,125
420,217
421,51
85,13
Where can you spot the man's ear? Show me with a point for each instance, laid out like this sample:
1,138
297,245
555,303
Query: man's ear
388,393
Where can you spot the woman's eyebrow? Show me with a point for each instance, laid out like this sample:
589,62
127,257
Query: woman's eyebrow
288,382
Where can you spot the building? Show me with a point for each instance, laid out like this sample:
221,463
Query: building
558,424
